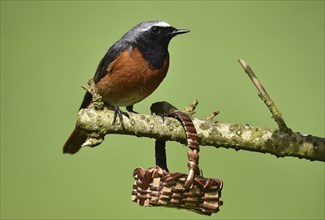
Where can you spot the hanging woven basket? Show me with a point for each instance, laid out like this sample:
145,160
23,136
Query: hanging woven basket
158,187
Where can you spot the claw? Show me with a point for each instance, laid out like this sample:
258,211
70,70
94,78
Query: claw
118,112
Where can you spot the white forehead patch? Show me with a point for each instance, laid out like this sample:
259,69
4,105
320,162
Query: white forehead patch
162,24
158,24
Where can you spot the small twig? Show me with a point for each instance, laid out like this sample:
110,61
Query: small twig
212,115
277,116
190,109
96,97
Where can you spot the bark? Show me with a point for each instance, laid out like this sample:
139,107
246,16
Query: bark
97,122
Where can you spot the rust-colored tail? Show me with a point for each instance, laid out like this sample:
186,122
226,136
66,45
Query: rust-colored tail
74,142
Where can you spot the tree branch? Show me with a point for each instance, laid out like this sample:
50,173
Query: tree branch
98,122
277,116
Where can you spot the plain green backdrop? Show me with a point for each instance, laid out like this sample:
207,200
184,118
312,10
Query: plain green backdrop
50,48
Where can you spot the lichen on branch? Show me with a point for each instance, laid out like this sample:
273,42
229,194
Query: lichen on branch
98,122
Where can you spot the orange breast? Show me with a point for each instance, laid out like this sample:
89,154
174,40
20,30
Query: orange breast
130,79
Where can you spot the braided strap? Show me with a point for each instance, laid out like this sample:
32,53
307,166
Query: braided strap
193,146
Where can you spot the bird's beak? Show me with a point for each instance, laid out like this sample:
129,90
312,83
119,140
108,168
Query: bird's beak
179,31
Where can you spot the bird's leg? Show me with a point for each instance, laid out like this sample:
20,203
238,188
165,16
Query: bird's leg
117,112
129,108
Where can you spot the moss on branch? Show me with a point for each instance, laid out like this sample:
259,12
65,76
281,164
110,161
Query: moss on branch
98,122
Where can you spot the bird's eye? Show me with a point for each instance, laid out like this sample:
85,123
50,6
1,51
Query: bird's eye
155,30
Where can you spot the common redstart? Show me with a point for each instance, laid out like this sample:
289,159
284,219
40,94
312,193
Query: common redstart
130,71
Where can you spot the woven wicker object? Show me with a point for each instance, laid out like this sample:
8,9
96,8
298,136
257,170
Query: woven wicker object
157,187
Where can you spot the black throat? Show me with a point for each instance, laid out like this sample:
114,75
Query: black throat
154,55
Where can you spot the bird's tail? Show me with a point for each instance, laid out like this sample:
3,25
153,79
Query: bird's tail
74,142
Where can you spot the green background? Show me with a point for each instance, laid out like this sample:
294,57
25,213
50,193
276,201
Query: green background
48,49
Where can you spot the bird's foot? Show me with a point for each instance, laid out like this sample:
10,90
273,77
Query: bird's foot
118,113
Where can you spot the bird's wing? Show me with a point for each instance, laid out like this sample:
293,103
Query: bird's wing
112,53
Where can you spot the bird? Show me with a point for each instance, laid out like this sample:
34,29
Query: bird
131,70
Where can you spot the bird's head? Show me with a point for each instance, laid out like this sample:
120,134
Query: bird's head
153,33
